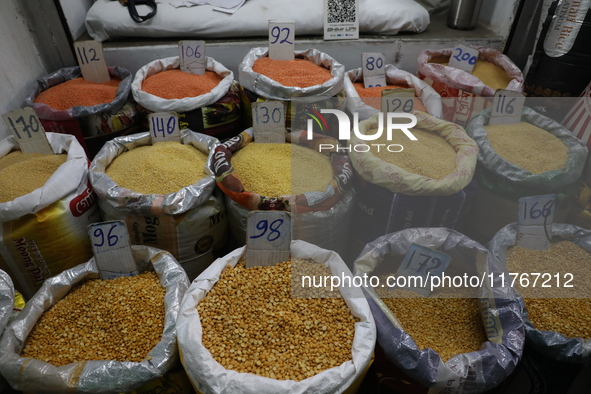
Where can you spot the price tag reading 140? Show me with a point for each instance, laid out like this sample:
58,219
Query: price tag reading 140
464,58
111,249
28,131
192,57
268,121
268,238
164,126
374,70
507,107
425,262
281,40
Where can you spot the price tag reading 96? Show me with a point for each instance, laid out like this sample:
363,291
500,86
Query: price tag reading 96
27,129
534,223
268,238
507,107
192,56
112,250
268,121
425,262
374,69
398,100
281,40
464,58
92,61
164,126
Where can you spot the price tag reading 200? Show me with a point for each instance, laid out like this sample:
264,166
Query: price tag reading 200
111,249
464,58
164,126
281,40
268,238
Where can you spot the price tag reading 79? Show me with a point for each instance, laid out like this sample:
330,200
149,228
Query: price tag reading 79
536,210
423,261
268,238
111,249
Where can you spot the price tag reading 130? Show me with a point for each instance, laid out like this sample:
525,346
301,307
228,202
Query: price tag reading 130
374,69
534,223
111,249
164,126
28,131
268,238
268,121
192,57
464,58
281,40
92,61
507,107
425,262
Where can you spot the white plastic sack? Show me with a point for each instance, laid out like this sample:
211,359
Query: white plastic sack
6,299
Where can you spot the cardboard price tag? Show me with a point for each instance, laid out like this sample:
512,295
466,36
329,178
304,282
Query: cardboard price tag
398,100
425,262
534,223
28,131
91,60
464,58
281,40
268,238
112,250
507,107
374,70
192,57
164,126
341,20
268,121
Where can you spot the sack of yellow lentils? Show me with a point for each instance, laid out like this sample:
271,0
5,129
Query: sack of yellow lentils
46,202
80,333
275,340
164,194
461,338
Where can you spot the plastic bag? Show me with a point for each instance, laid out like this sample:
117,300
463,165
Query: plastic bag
6,299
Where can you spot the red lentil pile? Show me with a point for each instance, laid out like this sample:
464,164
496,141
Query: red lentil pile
372,96
177,84
299,73
77,92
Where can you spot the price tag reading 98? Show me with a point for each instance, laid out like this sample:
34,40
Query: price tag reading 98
192,56
164,126
268,238
28,131
92,61
268,121
424,262
398,100
112,250
374,70
281,40
464,58
507,107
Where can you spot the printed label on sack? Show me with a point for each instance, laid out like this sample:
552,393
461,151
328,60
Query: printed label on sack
341,19
112,250
164,126
281,40
565,26
464,58
374,70
268,238
27,129
398,100
425,262
91,60
507,107
192,56
268,121
534,223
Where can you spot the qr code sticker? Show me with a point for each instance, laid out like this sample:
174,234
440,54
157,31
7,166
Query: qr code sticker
340,11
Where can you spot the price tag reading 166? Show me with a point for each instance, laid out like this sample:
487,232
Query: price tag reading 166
425,262
534,223
164,126
268,238
111,249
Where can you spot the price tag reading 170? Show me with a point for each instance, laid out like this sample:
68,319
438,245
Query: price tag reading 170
164,126
507,107
28,131
92,61
192,57
374,69
398,100
268,121
464,58
534,223
111,249
281,40
268,238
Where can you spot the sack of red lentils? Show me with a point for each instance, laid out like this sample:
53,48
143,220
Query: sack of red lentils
164,194
327,354
367,102
129,336
45,206
464,337
208,104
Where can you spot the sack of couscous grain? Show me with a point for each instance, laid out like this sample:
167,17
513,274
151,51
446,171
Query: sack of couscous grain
120,333
460,339
315,341
208,104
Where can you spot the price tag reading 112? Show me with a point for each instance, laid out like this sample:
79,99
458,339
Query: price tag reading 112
534,224
398,100
268,238
192,56
164,126
374,70
28,131
425,262
268,121
281,40
464,58
507,107
110,246
92,61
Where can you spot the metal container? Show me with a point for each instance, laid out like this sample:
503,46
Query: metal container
463,14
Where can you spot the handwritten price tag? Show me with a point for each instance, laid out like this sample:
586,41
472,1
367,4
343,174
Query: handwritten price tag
192,57
374,72
28,131
268,238
425,262
464,58
91,60
281,40
398,100
534,223
507,107
164,126
268,121
112,250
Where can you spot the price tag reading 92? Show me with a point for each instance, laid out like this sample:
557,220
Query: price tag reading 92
28,131
534,223
268,121
268,238
164,126
398,100
464,58
111,249
281,40
374,70
507,107
92,61
192,57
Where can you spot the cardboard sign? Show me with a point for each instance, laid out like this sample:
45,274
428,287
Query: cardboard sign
534,223
192,57
268,121
398,100
464,58
27,129
164,126
91,60
507,107
112,250
268,238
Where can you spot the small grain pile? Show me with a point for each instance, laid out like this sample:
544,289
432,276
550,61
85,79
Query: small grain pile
252,324
79,92
489,73
372,96
177,84
568,316
162,168
21,173
120,319
528,146
274,170
299,73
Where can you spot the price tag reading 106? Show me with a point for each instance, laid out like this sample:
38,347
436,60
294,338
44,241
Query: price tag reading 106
464,58
425,262
192,56
269,121
281,40
268,238
374,70
28,131
164,126
111,249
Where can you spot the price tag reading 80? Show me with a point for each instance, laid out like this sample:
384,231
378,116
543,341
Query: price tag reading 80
268,238
192,57
111,249
164,126
281,40
28,131
374,70
464,58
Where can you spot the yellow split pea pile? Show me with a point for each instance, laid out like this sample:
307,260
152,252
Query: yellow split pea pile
252,324
120,319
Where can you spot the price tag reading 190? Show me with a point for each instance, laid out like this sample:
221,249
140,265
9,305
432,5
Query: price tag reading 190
268,238
192,57
374,69
464,58
28,131
92,61
111,249
398,100
281,40
268,121
425,262
507,107
164,126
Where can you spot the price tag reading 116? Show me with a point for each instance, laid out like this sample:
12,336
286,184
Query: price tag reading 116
507,107
28,131
92,61
164,126
281,40
374,70
534,224
464,58
111,249
192,56
424,262
268,238
268,121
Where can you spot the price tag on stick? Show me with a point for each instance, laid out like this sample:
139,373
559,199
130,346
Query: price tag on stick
424,262
268,238
281,40
398,100
534,223
268,121
464,58
111,249
192,57
164,126
91,60
28,131
507,107
373,68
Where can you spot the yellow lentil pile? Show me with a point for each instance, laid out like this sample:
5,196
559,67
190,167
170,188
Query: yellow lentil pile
430,156
120,319
274,170
528,146
252,324
568,316
162,168
21,173
489,73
